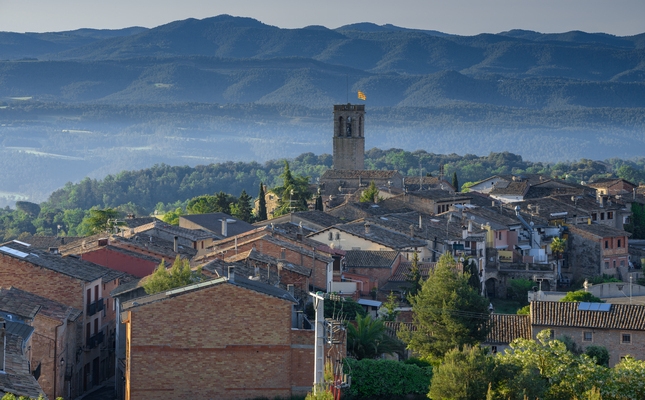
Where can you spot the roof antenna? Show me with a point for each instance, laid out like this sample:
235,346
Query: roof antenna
347,87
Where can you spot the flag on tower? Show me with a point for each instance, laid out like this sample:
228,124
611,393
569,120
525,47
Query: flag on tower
361,95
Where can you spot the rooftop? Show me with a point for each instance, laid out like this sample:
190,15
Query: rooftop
599,230
504,328
212,222
355,174
67,265
370,259
378,234
18,379
255,255
27,305
619,316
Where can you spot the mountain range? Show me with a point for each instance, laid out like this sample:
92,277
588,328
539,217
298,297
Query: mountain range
93,102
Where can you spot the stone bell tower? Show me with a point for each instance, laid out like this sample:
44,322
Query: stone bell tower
349,138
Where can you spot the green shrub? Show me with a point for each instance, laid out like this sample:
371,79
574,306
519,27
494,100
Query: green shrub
385,378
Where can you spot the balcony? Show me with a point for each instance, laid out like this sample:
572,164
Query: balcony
95,307
95,340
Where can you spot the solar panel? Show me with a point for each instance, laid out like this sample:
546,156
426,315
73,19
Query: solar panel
594,306
605,307
583,306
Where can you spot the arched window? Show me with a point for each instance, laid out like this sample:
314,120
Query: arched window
341,126
348,129
360,126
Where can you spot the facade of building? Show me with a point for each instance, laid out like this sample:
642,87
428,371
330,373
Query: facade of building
598,249
228,338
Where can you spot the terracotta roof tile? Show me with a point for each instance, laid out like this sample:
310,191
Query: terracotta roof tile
507,327
619,316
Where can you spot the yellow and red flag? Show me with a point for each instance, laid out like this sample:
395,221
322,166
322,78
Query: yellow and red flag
361,95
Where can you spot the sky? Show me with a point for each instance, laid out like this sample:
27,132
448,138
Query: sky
461,17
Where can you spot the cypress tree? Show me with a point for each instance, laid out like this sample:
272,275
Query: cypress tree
262,204
455,182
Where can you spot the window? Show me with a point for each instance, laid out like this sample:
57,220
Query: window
551,334
587,336
619,243
606,264
610,215
602,216
594,216
614,263
500,236
96,293
622,263
606,244
493,349
626,338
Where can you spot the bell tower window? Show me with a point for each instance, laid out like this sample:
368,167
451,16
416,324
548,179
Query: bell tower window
348,129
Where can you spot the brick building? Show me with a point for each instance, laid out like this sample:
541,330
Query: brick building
54,341
73,282
228,338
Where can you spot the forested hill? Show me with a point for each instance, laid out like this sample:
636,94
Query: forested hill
164,187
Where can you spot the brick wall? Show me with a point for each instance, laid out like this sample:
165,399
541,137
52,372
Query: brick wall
220,342
121,262
41,281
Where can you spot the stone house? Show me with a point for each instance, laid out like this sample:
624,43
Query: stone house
227,338
368,269
618,327
597,249
54,342
613,186
220,224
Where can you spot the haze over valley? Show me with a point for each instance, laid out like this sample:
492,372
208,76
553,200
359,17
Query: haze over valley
93,102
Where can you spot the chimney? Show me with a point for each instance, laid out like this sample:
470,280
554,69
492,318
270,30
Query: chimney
3,346
470,226
231,274
464,232
62,240
291,289
224,228
411,230
174,247
420,222
367,228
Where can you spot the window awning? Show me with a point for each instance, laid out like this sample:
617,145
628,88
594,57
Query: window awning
366,302
524,246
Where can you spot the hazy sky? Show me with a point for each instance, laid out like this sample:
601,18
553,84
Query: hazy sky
464,17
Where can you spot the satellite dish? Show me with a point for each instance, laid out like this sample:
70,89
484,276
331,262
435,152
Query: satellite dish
472,217
461,259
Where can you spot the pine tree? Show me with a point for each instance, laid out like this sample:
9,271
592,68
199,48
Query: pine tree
414,277
242,209
262,204
447,312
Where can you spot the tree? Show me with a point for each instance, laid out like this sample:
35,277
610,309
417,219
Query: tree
29,208
178,275
447,312
172,217
600,354
414,277
389,308
473,276
463,375
293,193
100,221
370,195
581,295
368,339
455,181
262,204
242,209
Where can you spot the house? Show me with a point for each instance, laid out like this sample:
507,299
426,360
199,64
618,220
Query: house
597,249
220,224
432,201
487,185
351,211
307,253
227,338
272,201
618,327
601,209
368,269
15,375
612,186
398,282
54,342
77,283
363,235
419,183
